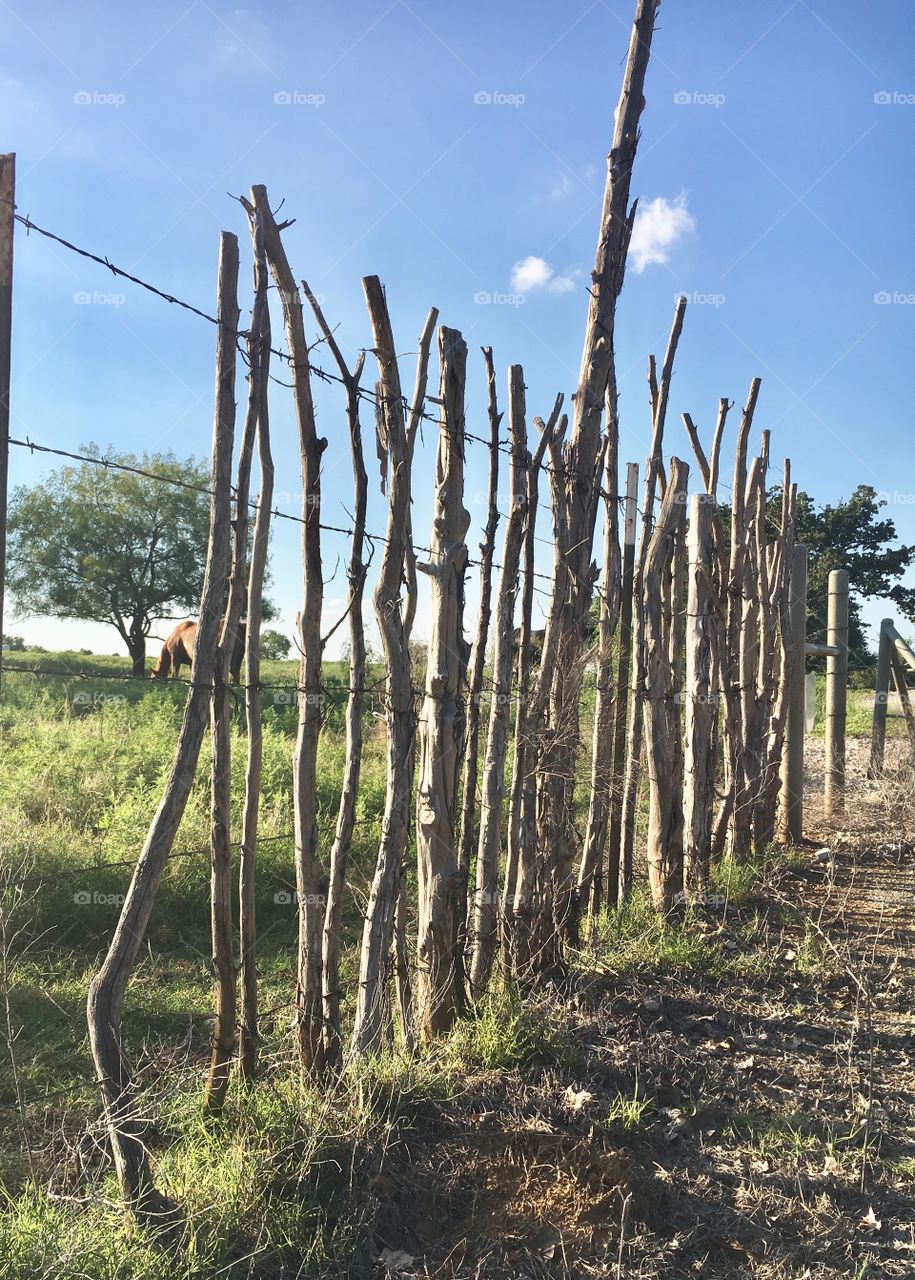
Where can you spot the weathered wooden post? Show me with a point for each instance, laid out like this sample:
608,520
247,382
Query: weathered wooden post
7,222
662,714
621,701
441,723
699,765
881,696
792,771
836,693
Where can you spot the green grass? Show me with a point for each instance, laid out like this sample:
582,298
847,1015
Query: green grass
285,1177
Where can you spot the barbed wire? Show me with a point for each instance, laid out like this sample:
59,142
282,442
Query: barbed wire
324,375
111,465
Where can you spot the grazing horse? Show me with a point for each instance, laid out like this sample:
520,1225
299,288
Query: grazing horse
178,649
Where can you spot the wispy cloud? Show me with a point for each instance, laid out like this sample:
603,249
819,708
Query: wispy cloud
659,225
536,273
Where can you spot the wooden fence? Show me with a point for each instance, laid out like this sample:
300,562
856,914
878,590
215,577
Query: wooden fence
698,652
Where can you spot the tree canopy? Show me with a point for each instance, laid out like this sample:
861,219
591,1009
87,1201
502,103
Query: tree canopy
850,535
109,546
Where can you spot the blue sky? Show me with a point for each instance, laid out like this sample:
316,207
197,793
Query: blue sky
440,147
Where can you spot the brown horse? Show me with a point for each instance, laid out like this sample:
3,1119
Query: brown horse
178,650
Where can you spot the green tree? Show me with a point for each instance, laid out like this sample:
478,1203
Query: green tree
111,546
274,644
850,535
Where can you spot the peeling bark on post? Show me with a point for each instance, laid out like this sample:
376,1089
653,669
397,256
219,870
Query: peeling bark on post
487,883
126,1128
331,1050
247,924
440,995
309,887
378,929
665,822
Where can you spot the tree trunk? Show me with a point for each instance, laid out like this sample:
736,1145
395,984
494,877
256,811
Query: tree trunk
136,647
126,1128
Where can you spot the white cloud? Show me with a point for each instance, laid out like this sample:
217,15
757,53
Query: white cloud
536,273
658,226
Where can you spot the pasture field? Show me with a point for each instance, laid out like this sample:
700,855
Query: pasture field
732,1093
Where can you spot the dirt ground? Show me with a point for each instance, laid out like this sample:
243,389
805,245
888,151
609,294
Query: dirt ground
756,1122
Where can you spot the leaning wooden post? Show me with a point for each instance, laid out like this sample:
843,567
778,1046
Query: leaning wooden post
836,693
792,771
904,699
881,696
7,222
699,764
126,1128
